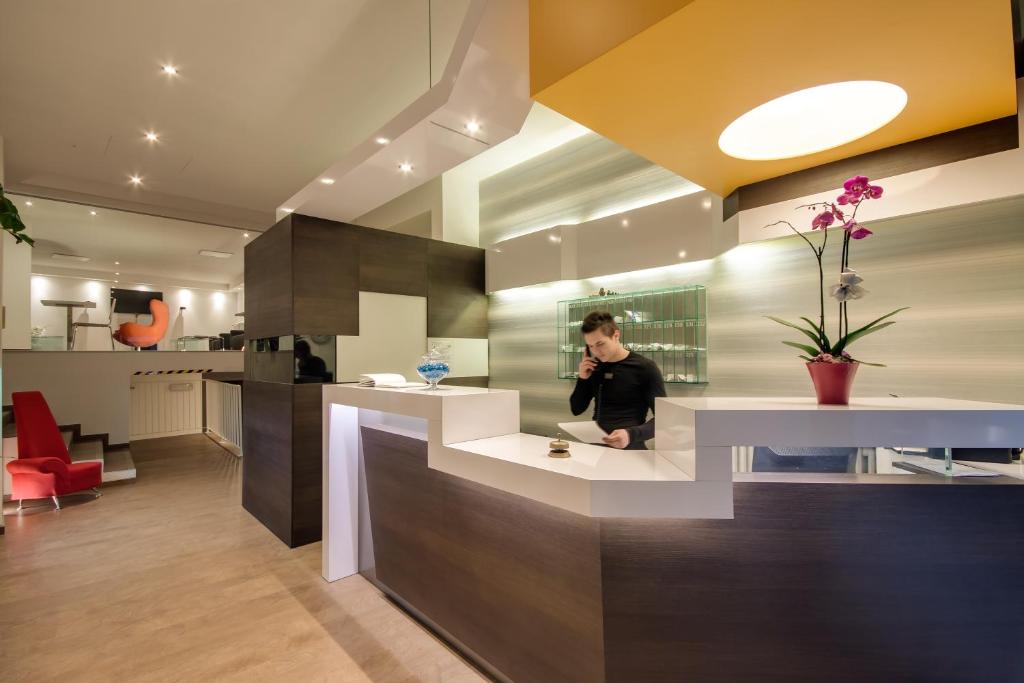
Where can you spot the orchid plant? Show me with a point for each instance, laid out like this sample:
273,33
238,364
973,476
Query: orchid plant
842,213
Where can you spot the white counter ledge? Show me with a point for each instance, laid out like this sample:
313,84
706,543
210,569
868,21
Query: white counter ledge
473,434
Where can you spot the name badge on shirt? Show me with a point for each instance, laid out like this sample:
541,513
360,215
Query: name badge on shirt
609,375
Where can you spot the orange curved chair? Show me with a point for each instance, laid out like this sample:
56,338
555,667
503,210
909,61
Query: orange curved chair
134,334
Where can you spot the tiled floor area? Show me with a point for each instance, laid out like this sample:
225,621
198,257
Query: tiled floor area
169,579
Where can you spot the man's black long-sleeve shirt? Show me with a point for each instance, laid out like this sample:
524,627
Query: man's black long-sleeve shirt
622,392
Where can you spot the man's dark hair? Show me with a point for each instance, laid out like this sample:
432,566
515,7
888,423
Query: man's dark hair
599,320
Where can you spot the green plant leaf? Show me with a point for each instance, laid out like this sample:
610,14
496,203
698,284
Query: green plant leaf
857,334
809,350
806,358
11,222
874,365
809,333
824,343
875,322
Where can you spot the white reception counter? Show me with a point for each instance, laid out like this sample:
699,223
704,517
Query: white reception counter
473,434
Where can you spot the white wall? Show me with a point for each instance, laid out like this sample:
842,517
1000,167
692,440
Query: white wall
392,337
94,389
207,312
16,268
417,212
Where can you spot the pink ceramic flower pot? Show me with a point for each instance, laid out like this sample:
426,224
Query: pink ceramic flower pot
833,381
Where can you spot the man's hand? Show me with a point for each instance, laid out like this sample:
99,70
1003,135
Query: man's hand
617,439
587,366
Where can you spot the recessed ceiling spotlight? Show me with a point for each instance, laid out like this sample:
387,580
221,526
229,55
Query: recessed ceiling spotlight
116,281
682,254
117,273
151,136
286,210
327,181
706,203
135,180
170,70
382,141
625,222
473,126
28,203
554,238
245,234
117,263
810,120
405,167
92,213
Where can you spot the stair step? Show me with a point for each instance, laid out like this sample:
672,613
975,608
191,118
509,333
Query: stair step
118,465
86,451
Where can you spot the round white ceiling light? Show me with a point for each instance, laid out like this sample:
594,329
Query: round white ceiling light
812,120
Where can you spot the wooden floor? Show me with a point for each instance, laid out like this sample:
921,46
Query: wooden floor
168,578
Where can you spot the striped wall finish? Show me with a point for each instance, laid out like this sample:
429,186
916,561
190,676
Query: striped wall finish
960,270
583,179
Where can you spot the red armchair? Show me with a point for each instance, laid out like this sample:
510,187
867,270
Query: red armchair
44,468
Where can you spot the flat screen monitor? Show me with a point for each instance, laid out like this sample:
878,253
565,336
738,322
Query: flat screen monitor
133,301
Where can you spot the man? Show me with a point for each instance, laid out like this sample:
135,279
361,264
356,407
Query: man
622,384
309,368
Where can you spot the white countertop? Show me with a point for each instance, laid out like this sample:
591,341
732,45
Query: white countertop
473,433
866,422
883,403
587,461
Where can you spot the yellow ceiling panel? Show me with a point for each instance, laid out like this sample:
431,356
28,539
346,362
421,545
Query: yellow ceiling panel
567,34
667,91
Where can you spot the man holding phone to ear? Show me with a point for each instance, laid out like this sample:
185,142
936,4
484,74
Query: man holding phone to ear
622,384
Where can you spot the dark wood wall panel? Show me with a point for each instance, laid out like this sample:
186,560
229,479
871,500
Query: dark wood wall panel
303,276
391,263
326,281
307,464
268,282
269,366
516,582
267,465
956,145
456,302
813,582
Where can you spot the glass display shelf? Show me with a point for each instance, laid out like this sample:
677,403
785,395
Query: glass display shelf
669,326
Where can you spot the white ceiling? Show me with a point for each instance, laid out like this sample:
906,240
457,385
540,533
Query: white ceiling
149,248
269,95
485,81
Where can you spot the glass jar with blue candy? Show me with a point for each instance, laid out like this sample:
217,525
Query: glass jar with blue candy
433,366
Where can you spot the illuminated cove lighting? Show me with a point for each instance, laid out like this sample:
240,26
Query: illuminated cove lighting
812,120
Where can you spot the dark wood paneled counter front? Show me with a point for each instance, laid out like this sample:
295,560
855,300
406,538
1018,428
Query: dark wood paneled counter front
809,581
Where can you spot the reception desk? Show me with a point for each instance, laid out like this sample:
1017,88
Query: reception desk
664,565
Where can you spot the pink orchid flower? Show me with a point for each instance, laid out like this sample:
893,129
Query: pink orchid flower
860,232
856,185
822,220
